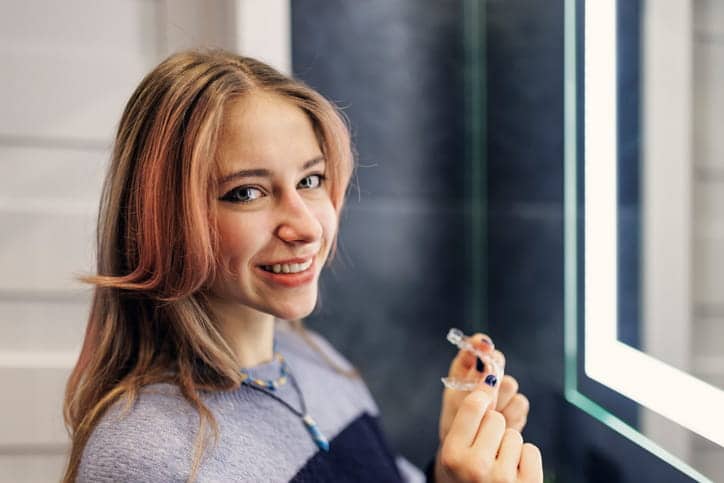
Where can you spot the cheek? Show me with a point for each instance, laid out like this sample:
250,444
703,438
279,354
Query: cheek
237,240
329,221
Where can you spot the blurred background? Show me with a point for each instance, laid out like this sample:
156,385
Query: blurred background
455,218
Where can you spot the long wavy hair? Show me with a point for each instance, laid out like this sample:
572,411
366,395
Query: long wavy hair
157,244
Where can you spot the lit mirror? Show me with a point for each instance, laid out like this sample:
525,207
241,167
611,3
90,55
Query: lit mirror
645,224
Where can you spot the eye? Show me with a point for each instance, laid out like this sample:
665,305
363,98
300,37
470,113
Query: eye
312,181
243,194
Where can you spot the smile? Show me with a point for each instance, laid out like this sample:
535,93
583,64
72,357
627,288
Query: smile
288,267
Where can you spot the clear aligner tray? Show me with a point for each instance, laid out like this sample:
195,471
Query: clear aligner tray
459,339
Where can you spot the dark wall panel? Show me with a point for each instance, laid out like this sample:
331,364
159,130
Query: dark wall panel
401,275
525,205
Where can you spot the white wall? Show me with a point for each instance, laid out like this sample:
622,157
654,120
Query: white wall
707,337
684,169
67,69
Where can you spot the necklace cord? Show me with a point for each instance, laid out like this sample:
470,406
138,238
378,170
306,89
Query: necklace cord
319,439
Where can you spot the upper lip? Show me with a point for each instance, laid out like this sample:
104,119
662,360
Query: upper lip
288,261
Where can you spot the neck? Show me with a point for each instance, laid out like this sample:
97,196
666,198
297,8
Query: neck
249,333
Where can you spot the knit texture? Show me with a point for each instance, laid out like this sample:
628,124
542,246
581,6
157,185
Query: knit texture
260,438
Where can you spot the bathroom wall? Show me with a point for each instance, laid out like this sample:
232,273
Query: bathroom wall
67,71
402,272
707,227
67,68
405,271
708,189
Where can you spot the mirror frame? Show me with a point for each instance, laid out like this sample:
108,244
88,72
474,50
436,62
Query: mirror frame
591,222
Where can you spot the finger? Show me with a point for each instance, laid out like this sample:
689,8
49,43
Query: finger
530,467
452,398
492,362
509,455
451,402
458,370
490,434
479,372
487,378
516,412
465,425
508,389
499,359
466,359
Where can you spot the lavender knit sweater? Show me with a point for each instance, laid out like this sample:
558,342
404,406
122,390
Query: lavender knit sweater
260,439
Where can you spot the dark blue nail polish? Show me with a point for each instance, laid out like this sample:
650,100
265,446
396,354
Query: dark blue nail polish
479,366
491,380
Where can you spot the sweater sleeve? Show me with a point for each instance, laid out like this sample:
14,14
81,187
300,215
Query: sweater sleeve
138,447
107,461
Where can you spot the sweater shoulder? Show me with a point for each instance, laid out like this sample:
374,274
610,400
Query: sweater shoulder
317,349
322,363
147,441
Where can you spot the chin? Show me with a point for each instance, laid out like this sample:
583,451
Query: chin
296,312
289,316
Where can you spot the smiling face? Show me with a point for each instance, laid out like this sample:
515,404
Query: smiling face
275,218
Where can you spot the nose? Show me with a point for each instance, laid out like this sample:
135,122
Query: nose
297,222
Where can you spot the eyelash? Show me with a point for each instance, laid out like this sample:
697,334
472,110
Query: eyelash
231,194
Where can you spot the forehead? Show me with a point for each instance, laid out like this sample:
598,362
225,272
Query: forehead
262,130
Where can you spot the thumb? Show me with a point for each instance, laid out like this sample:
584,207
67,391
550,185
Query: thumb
483,376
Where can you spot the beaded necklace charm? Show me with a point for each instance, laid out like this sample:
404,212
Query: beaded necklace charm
271,384
268,386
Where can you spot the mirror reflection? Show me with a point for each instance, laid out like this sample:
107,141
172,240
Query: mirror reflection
670,161
673,202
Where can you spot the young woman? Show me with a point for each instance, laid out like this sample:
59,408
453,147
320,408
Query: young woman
218,213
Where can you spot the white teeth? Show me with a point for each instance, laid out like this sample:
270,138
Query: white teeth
289,267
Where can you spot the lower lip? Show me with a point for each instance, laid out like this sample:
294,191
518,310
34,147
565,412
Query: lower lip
289,279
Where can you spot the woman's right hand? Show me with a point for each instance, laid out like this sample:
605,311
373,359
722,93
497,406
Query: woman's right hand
478,447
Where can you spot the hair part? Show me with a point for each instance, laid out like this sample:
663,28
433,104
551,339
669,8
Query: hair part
157,243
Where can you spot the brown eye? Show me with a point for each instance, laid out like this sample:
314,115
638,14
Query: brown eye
242,194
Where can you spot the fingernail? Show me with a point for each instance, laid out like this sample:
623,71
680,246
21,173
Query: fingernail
479,365
491,380
487,340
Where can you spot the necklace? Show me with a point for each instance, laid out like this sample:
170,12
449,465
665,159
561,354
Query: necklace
268,386
271,384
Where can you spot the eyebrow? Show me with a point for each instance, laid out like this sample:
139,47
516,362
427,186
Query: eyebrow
261,172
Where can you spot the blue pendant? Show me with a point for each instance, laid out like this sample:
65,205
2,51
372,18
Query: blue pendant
317,435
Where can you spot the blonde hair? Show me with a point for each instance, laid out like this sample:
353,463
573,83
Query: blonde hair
149,321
